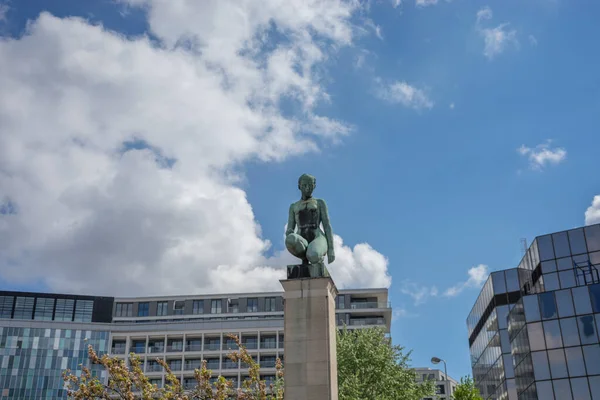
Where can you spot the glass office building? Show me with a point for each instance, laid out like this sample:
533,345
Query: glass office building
41,334
534,329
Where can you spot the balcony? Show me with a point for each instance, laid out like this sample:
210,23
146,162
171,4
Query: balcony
367,321
360,305
118,350
250,344
268,343
138,350
154,367
175,348
212,365
191,365
212,346
193,347
175,366
153,349
268,363
230,365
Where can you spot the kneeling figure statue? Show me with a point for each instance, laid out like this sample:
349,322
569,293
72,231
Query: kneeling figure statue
304,237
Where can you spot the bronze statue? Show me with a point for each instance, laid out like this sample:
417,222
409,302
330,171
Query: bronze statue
309,242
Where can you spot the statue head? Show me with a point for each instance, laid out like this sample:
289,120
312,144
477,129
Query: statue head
306,184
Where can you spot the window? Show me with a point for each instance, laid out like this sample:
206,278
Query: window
143,309
24,308
547,305
575,361
561,244
562,389
587,329
234,306
552,334
591,355
198,307
44,308
569,332
270,304
6,305
595,295
581,298
341,301
532,310
83,310
123,309
215,306
179,307
551,281
546,249
558,365
564,302
253,305
162,308
541,367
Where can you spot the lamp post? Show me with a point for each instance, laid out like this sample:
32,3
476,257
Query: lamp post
436,361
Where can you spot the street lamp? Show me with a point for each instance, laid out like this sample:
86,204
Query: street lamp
436,361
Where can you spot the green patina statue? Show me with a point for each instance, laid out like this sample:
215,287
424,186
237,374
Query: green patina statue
304,237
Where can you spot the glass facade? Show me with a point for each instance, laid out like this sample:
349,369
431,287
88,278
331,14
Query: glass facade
32,360
551,346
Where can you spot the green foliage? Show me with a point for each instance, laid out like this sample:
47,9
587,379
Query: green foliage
466,390
130,383
370,367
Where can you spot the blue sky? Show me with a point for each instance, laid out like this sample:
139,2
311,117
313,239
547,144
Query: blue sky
440,133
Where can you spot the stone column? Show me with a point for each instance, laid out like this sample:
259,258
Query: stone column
310,339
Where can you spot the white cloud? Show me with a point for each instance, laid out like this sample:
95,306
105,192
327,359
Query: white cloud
477,276
497,39
405,94
533,40
376,28
396,3
422,293
419,293
425,3
484,14
543,155
109,217
592,214
3,11
451,106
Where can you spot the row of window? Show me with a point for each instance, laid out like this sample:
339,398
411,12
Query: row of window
46,309
216,307
212,363
210,344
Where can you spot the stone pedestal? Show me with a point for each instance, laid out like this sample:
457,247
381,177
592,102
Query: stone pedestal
310,339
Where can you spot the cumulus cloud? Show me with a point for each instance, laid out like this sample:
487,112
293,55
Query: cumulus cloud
118,156
542,155
401,92
477,276
592,214
496,40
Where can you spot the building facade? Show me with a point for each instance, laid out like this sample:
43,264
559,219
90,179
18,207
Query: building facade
533,331
42,334
444,385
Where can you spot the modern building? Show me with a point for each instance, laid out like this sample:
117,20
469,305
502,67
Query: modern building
533,331
43,334
444,385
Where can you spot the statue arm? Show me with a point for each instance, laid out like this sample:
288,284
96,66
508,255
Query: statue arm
327,227
291,225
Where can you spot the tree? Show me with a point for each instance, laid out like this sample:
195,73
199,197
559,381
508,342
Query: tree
466,390
370,367
130,383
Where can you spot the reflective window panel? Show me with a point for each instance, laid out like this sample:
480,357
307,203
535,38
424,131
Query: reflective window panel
564,302
581,298
577,241
562,389
591,354
541,368
570,333
547,305
575,361
545,247
580,389
544,390
558,364
532,310
592,237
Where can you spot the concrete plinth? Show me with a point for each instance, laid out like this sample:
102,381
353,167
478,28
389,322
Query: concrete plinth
310,339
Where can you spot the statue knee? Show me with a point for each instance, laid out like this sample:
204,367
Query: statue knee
296,244
313,257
